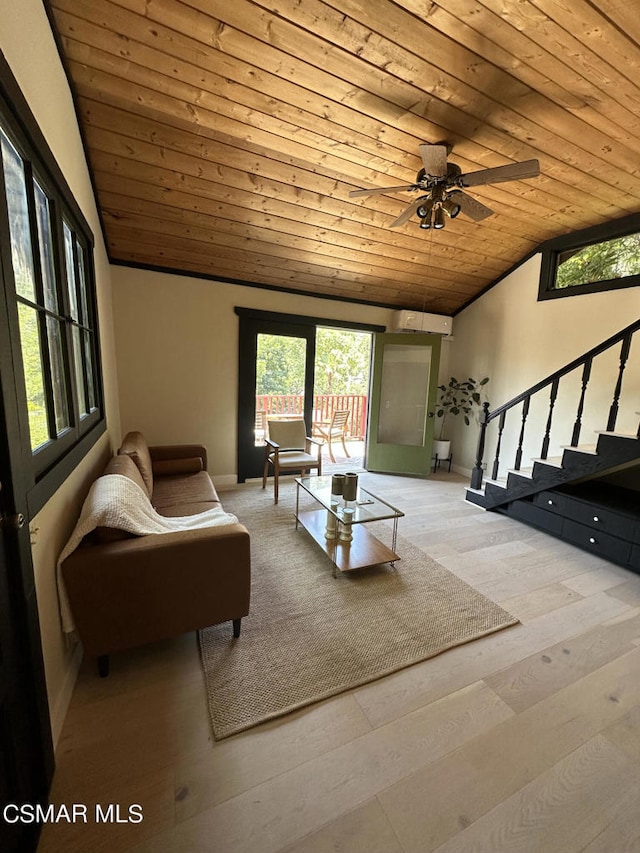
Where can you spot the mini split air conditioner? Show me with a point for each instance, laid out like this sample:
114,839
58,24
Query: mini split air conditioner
416,321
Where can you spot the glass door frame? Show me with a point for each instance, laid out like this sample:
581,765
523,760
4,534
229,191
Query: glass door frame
250,458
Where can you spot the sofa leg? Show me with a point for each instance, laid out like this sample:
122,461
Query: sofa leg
236,627
103,665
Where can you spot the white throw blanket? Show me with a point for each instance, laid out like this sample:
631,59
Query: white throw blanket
116,501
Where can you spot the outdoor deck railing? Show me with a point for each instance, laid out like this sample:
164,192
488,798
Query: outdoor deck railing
324,405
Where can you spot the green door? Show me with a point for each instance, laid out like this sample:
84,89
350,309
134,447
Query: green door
403,397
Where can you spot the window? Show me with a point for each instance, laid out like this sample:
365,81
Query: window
602,258
48,279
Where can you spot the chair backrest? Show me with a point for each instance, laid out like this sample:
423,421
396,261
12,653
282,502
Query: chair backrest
290,435
340,418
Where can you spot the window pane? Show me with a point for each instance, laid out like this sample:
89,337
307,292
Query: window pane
605,261
32,362
403,395
58,383
21,249
84,319
77,359
71,273
46,248
89,366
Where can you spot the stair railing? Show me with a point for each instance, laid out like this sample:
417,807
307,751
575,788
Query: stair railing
552,383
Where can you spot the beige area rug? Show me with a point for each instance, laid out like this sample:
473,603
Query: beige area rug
309,636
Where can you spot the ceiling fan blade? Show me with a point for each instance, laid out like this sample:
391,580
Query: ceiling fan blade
470,206
379,190
434,159
511,172
407,213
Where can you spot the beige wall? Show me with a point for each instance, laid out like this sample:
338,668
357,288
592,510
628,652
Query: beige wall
28,46
517,341
177,345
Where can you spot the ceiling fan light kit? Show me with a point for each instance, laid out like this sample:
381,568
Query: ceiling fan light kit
450,207
442,182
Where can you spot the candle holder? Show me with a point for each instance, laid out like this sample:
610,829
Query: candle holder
346,533
337,485
350,487
330,529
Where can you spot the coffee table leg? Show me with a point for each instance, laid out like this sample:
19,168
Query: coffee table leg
394,539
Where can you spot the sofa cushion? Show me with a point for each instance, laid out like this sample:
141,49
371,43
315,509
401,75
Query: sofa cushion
135,446
183,489
102,535
179,510
126,467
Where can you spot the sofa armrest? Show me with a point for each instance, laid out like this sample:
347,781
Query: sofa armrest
135,591
170,452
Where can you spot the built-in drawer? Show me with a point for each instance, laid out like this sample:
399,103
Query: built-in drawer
551,501
607,520
596,541
532,514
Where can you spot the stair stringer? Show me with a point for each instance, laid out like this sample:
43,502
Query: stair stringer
612,451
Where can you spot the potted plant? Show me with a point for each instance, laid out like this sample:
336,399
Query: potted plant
458,397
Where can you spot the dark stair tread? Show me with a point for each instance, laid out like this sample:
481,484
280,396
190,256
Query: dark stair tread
611,451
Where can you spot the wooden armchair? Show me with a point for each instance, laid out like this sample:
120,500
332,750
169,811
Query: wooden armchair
289,448
336,428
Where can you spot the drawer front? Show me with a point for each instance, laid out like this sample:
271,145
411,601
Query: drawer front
527,511
550,501
600,518
603,544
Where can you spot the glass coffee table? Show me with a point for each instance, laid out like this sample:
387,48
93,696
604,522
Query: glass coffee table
339,527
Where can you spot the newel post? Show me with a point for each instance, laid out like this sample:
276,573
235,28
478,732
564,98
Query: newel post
476,474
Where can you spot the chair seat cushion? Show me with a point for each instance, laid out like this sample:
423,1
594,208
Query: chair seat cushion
295,459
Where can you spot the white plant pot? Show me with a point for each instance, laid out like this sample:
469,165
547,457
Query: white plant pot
441,449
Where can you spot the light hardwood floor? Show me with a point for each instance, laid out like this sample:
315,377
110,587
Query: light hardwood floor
527,740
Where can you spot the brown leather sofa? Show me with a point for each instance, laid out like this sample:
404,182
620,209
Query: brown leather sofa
125,591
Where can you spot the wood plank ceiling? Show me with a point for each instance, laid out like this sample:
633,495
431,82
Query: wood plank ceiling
224,137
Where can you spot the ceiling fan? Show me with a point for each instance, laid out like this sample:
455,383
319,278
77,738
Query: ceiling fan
440,184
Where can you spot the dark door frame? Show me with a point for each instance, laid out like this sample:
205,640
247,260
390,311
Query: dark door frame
26,747
252,322
250,456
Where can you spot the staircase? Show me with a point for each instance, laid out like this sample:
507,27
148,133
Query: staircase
612,450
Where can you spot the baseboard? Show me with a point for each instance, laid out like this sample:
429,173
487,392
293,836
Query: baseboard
58,713
466,472
225,480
